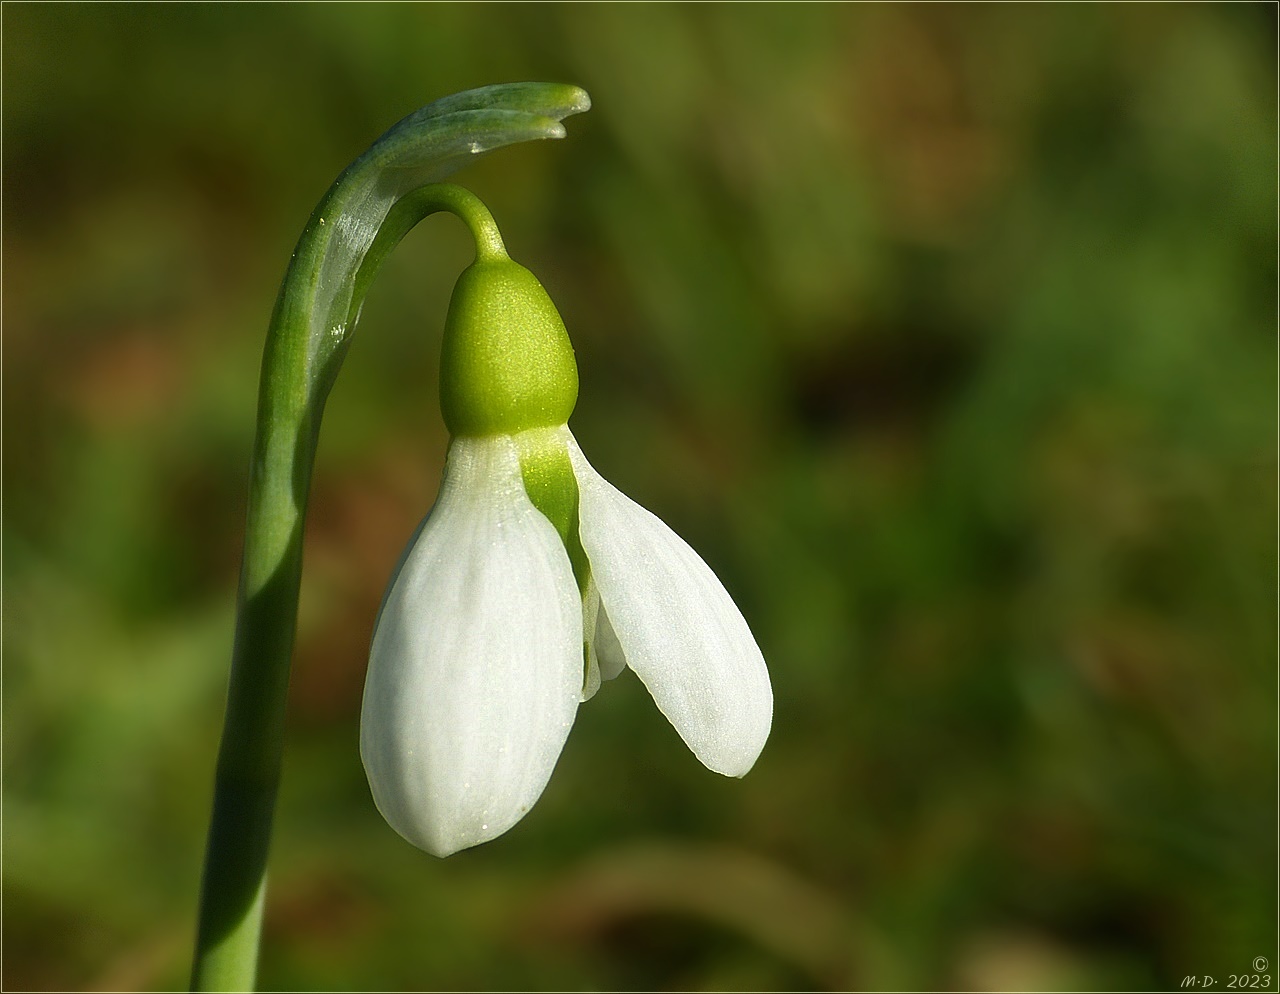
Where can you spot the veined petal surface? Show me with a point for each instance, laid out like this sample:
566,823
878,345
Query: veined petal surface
676,625
475,672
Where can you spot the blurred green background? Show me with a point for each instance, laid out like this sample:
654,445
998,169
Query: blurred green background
945,334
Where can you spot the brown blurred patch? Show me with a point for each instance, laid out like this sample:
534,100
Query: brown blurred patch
357,528
892,382
1157,668
319,910
126,380
1017,960
743,892
933,156
146,965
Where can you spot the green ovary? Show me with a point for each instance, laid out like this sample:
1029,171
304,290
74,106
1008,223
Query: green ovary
506,364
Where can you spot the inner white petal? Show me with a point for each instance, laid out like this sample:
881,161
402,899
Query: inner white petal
605,659
608,649
676,625
475,671
590,610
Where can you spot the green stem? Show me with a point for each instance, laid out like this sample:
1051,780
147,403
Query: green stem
373,204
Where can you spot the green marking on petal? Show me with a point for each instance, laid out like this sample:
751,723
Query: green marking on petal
553,490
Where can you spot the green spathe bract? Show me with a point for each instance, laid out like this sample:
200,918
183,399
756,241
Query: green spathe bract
506,364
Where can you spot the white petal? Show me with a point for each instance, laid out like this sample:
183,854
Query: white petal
604,655
590,610
608,650
677,626
476,666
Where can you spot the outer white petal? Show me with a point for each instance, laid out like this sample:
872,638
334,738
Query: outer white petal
476,667
677,626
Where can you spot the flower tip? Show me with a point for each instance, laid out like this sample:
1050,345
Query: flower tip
744,765
436,839
580,101
738,758
442,846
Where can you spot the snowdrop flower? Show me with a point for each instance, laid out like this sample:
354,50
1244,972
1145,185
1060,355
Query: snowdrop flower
530,581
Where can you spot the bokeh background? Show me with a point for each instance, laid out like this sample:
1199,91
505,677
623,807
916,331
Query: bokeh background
946,334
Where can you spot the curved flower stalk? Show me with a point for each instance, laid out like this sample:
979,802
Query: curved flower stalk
372,204
530,581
